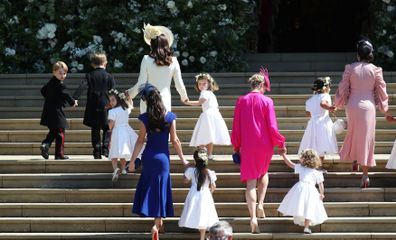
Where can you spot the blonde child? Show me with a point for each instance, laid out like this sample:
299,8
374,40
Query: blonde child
53,116
319,134
211,127
199,211
303,201
123,137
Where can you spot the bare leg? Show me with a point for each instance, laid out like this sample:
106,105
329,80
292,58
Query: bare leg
114,162
202,233
365,170
154,231
306,223
251,198
209,147
262,190
123,163
322,160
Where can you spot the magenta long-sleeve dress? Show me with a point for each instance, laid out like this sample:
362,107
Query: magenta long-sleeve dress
255,134
362,89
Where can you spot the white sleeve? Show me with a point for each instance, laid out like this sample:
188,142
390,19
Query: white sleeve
297,168
327,98
213,177
205,95
319,177
189,173
142,79
177,78
112,115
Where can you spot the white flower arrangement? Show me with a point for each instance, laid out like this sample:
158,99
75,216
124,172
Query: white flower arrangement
9,52
202,60
118,64
47,31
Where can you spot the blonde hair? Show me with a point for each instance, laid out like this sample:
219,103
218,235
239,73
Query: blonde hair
256,80
310,159
98,59
213,86
59,65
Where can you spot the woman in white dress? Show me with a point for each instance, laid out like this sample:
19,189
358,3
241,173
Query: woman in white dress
159,67
199,211
319,134
303,201
210,128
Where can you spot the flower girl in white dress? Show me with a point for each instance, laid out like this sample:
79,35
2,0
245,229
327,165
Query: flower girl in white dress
210,128
123,137
303,201
319,134
199,210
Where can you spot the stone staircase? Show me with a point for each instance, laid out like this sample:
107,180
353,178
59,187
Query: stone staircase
75,199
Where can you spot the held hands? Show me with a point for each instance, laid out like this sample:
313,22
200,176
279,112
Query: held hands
390,119
282,151
332,109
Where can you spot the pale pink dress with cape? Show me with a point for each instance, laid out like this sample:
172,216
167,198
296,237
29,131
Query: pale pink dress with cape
362,89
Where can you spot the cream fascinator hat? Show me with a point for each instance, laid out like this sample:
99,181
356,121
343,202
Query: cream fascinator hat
151,32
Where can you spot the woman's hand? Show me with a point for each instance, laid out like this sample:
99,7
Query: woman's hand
282,151
186,164
332,109
322,196
131,167
390,119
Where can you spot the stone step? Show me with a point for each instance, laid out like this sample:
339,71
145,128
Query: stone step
288,123
228,89
222,164
85,148
223,100
224,195
15,136
240,224
224,180
184,236
181,111
339,209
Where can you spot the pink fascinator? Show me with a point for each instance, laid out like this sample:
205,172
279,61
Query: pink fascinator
265,74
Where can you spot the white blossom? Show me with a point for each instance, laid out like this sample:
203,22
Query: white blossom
73,70
97,39
185,62
386,1
390,8
47,31
222,7
189,4
68,45
389,54
176,54
74,64
202,60
9,52
80,67
213,53
191,58
14,20
171,4
118,64
185,54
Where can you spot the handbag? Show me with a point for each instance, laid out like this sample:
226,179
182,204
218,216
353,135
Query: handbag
339,125
236,157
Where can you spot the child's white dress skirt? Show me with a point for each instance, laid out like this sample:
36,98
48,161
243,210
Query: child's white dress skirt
392,158
123,139
210,128
303,202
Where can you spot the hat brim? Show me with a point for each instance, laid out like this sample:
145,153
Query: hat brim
164,30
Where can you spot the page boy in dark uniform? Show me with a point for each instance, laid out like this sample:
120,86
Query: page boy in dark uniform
98,82
56,97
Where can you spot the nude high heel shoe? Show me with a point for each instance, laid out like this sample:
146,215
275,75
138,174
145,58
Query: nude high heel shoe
254,226
260,211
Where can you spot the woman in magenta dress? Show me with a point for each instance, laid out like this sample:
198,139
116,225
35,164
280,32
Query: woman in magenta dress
254,135
362,89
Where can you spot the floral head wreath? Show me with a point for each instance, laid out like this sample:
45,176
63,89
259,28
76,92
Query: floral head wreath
115,92
265,74
151,32
204,75
201,155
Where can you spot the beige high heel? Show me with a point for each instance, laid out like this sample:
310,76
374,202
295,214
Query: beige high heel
254,227
260,211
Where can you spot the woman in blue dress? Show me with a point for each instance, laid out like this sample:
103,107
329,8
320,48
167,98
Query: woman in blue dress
153,197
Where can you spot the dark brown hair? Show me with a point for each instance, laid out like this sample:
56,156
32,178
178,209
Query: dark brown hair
365,51
201,167
156,111
120,102
213,86
160,50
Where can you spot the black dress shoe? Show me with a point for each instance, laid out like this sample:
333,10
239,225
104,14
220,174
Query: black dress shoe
105,152
61,158
97,155
44,150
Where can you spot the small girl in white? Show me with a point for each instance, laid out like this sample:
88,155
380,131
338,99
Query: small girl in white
123,137
319,134
199,210
211,127
303,201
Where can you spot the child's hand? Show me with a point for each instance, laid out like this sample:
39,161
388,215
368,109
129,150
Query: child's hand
187,102
282,151
322,196
332,109
390,119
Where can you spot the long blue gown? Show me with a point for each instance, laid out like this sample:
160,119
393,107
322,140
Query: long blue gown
153,197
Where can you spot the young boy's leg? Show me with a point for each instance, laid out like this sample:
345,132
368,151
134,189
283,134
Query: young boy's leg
60,144
46,143
105,140
95,140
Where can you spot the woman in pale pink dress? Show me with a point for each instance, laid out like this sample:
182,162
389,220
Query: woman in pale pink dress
362,89
254,135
